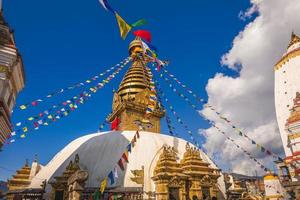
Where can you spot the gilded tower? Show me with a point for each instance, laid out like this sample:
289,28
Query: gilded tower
133,96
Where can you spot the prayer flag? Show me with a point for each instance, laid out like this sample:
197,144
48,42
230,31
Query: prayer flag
115,124
22,136
129,148
23,107
106,6
134,139
137,134
96,195
125,156
121,165
140,22
123,26
111,178
116,173
146,35
103,185
25,129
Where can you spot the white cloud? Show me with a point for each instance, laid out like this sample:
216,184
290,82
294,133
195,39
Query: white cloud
249,98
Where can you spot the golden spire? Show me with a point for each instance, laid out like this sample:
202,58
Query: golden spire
294,39
21,179
133,96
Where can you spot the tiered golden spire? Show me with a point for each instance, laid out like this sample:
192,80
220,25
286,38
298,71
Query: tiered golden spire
135,81
22,178
193,165
133,96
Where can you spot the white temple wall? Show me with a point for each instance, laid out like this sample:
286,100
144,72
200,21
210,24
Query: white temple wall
286,85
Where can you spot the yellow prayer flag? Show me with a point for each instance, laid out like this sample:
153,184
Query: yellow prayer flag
123,26
23,107
25,129
30,118
103,185
22,136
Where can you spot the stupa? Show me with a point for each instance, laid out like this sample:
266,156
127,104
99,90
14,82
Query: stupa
160,166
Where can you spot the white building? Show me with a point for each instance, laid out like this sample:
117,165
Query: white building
287,104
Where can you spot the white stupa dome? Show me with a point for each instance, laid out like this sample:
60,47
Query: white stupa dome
100,152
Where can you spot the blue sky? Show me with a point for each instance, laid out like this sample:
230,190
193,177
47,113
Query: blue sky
65,42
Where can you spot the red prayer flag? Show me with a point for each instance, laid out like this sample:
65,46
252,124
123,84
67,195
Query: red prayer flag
34,103
115,124
121,165
146,35
134,139
125,157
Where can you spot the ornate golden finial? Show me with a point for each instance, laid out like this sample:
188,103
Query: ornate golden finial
294,39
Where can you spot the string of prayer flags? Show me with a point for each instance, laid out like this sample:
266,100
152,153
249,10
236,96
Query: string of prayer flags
125,28
238,131
113,174
168,119
106,6
194,141
50,117
36,102
239,147
196,109
179,120
77,99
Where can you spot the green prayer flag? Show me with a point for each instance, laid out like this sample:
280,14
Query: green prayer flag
96,195
140,22
115,197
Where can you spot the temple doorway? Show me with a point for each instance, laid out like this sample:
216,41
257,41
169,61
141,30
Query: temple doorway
174,194
205,193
